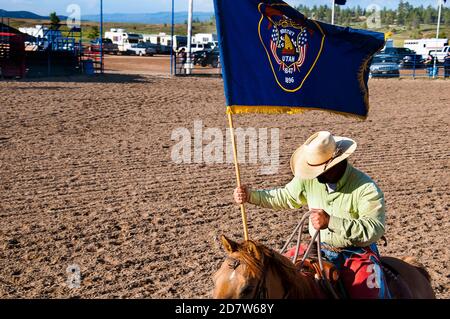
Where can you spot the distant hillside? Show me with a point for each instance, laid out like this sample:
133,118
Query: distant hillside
24,15
150,18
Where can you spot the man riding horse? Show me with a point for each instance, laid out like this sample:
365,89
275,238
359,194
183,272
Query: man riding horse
346,205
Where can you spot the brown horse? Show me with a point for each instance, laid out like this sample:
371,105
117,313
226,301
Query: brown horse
252,270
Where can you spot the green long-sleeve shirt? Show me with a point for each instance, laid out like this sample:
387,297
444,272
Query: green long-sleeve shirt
356,208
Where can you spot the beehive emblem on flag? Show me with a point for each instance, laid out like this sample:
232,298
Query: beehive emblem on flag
292,48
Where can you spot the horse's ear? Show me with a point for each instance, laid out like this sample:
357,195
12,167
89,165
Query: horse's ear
253,250
229,245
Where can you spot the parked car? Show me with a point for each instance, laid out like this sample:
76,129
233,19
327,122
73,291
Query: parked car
163,49
441,54
398,53
142,49
214,44
159,48
108,46
207,57
447,66
384,65
199,56
195,47
151,48
412,61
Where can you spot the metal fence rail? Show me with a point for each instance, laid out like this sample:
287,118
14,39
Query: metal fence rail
197,64
426,70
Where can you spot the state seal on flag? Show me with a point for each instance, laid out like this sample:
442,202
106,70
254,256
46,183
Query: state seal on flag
293,47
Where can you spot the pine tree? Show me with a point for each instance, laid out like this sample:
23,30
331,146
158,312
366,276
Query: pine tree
94,32
401,13
447,17
54,21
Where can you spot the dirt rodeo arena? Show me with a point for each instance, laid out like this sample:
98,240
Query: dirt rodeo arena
88,181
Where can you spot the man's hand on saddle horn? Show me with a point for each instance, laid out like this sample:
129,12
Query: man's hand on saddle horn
241,194
319,218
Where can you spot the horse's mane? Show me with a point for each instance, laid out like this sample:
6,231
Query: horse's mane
290,277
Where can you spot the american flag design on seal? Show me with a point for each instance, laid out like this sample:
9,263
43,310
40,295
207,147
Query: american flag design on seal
292,47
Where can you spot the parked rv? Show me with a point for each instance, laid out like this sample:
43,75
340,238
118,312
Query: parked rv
204,38
424,46
179,42
123,39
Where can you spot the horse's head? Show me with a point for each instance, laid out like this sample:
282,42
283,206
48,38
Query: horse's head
252,270
240,273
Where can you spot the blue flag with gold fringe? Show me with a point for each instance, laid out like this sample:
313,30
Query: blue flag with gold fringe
275,60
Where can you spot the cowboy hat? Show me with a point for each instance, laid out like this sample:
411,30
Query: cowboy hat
319,153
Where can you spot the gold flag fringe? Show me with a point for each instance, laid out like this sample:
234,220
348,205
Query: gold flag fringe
245,109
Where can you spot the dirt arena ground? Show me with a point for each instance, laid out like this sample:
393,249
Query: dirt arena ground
154,65
87,179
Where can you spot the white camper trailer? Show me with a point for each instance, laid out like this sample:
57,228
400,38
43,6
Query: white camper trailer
204,38
424,46
152,38
124,40
165,40
179,41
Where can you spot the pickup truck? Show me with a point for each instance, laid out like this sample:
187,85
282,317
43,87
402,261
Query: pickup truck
441,54
398,53
108,46
142,49
198,47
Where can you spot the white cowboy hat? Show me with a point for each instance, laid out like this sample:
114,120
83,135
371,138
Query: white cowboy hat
319,153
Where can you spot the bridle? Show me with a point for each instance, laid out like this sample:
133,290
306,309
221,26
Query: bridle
261,289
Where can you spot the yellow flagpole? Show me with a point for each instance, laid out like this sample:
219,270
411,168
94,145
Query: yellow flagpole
238,174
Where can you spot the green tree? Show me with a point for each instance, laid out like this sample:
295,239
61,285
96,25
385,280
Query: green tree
54,21
405,15
446,15
428,15
94,32
390,17
359,12
401,14
414,20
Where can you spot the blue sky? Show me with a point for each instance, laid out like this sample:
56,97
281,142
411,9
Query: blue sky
43,7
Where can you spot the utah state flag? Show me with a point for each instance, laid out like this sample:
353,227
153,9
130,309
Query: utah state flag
275,60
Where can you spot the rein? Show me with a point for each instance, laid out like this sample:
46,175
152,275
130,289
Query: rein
261,289
315,239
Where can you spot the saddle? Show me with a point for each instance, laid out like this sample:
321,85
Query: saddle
329,279
330,272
